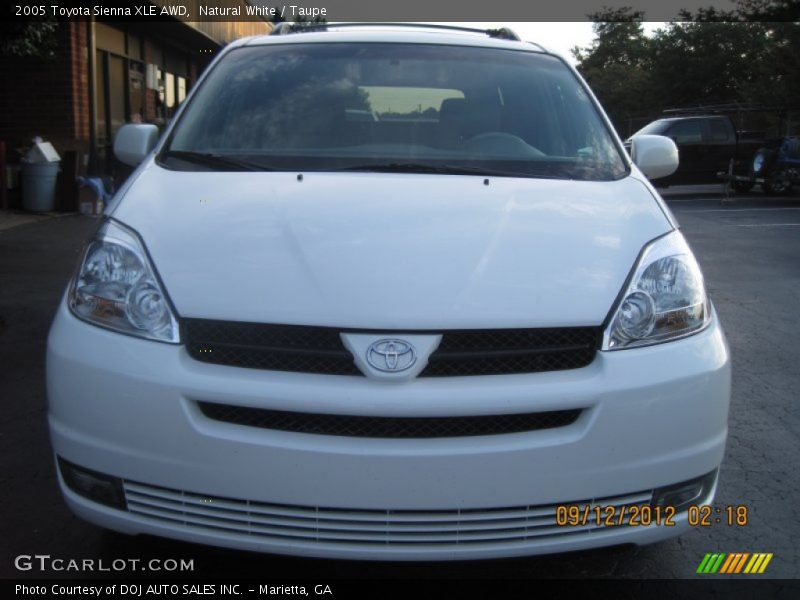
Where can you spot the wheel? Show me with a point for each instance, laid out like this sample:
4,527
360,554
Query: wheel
743,187
779,183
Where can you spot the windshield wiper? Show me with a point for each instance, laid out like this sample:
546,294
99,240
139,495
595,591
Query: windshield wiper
411,167
209,159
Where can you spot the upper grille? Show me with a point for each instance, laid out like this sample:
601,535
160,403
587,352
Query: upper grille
273,347
388,427
308,349
506,351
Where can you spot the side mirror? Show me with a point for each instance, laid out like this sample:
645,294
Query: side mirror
655,155
135,141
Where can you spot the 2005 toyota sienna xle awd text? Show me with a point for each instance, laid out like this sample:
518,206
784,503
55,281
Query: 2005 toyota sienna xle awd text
389,293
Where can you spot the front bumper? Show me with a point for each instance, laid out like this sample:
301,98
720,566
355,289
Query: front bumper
125,407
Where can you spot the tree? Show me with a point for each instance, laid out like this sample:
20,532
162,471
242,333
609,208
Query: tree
34,38
300,20
617,64
708,62
619,39
707,57
772,11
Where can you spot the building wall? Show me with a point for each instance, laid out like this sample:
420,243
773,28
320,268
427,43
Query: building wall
79,65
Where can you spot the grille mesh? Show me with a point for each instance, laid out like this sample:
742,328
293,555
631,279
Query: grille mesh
294,348
507,351
321,525
387,427
307,349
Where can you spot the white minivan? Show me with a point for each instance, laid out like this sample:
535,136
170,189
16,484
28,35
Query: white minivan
389,293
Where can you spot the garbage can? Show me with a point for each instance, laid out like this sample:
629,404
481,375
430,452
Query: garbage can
39,185
40,168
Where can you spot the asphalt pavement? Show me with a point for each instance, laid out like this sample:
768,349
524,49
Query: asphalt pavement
749,250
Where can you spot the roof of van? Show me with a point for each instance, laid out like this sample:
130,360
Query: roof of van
393,33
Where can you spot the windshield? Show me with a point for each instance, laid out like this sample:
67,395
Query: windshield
654,128
409,107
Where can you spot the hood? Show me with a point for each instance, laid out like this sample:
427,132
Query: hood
391,251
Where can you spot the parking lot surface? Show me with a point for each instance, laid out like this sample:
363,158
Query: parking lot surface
749,250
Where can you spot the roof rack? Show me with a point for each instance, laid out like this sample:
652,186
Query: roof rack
733,107
503,33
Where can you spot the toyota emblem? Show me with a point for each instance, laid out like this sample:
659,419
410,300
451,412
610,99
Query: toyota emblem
391,355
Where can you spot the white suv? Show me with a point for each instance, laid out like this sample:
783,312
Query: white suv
389,293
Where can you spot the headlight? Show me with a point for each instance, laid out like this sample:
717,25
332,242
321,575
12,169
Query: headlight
116,287
665,299
758,162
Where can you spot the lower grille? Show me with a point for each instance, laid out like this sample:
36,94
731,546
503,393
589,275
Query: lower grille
313,524
388,427
306,349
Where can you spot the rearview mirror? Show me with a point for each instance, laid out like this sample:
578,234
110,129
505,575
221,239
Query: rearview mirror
655,155
135,141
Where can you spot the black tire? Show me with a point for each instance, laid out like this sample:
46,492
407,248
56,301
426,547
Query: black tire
778,183
742,187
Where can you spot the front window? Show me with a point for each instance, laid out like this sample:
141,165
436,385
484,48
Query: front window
383,106
687,132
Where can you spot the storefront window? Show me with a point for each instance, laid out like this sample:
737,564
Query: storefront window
169,84
134,47
116,92
181,90
136,91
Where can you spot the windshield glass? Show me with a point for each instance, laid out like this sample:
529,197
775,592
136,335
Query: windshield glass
654,128
382,106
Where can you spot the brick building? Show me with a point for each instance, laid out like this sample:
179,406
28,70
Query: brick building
104,74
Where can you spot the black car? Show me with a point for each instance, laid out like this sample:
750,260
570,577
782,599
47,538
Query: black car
706,145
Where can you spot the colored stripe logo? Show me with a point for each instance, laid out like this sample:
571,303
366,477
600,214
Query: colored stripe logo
735,562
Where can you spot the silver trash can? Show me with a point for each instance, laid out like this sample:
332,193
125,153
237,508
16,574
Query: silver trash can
39,185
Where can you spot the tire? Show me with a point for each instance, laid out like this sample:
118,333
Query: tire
778,183
742,187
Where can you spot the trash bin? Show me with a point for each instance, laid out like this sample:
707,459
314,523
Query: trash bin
40,168
39,185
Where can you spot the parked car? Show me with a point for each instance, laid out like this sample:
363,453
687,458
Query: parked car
706,145
469,329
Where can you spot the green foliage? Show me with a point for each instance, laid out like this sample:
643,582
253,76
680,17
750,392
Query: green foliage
619,39
617,64
33,38
709,57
